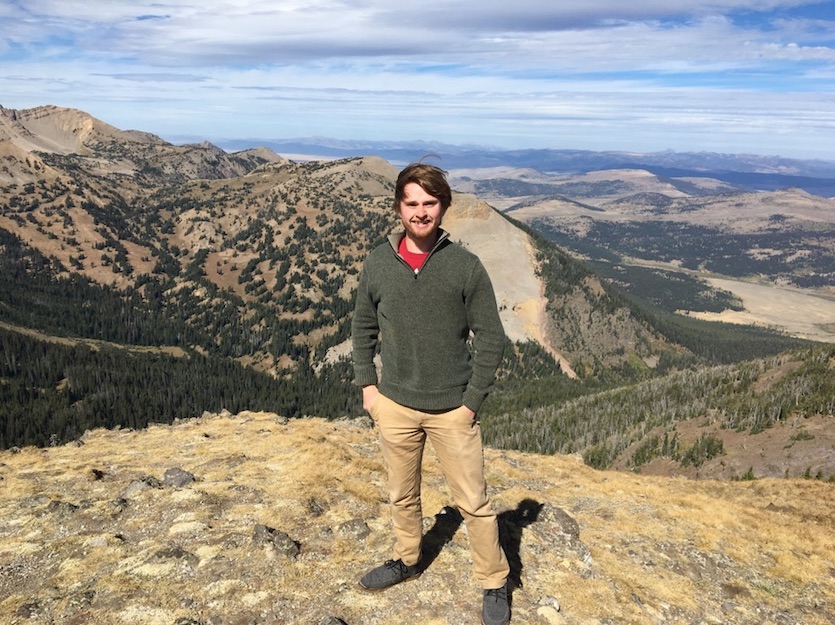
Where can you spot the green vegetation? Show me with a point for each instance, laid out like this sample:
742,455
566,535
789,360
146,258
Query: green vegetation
801,255
507,187
52,393
604,423
708,446
241,276
668,291
653,296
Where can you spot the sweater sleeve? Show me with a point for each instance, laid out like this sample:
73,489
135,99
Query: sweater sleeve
365,332
488,337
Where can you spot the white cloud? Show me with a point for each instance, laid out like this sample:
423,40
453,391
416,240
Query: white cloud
645,73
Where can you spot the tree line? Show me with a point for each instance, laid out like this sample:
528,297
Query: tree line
602,423
53,393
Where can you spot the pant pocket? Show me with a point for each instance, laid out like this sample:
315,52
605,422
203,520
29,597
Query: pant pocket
374,408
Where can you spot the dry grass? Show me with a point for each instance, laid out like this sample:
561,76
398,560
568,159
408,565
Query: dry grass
800,313
80,542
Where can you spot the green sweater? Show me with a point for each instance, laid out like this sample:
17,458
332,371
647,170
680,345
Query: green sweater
422,321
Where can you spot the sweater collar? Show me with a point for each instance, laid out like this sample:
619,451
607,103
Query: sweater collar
395,237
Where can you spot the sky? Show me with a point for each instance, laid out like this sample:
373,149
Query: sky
730,76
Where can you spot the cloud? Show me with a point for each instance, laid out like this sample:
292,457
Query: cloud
646,73
210,33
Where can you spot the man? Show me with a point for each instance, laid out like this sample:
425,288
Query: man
421,296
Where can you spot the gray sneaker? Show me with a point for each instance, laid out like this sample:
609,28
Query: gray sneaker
495,608
391,573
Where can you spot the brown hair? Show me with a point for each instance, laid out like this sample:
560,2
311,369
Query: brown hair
430,178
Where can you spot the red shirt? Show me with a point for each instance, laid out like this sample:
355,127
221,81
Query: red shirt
414,260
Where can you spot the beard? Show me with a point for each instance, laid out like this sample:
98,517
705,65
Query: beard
422,230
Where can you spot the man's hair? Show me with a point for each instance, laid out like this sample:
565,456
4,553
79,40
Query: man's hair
430,178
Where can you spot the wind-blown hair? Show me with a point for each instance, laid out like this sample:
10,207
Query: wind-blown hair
430,178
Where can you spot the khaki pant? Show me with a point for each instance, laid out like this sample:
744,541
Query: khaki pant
456,440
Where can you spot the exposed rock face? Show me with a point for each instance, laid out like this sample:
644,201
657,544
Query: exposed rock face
278,520
105,149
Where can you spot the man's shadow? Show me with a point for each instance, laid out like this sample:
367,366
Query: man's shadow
447,522
511,525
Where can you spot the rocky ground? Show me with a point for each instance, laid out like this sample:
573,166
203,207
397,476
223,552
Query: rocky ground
253,519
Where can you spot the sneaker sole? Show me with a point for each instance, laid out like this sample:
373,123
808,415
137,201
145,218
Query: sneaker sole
407,579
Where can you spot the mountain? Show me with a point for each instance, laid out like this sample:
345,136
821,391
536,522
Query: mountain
749,171
650,235
260,235
43,142
143,281
253,518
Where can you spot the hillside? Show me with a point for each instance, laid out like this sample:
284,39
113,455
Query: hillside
769,417
236,519
689,245
264,234
246,256
144,281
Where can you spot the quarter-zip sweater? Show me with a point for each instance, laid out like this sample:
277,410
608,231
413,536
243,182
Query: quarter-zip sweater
422,321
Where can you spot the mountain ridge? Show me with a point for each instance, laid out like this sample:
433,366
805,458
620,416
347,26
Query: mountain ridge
752,171
247,264
120,174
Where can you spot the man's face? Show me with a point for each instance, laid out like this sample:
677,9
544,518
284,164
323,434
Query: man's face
420,213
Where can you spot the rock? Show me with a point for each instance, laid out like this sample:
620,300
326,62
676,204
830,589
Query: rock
364,422
332,620
559,520
137,486
62,509
550,615
279,541
355,528
28,610
177,478
316,509
178,553
117,506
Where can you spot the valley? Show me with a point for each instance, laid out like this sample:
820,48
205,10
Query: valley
773,251
145,282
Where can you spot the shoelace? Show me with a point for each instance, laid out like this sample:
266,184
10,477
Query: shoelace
497,594
397,565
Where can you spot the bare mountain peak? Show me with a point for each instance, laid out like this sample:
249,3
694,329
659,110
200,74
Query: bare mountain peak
205,145
265,154
94,146
52,129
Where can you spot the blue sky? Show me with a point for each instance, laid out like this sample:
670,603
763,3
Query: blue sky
733,76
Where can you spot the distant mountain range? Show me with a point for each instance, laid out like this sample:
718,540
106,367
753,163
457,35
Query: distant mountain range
142,281
750,171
